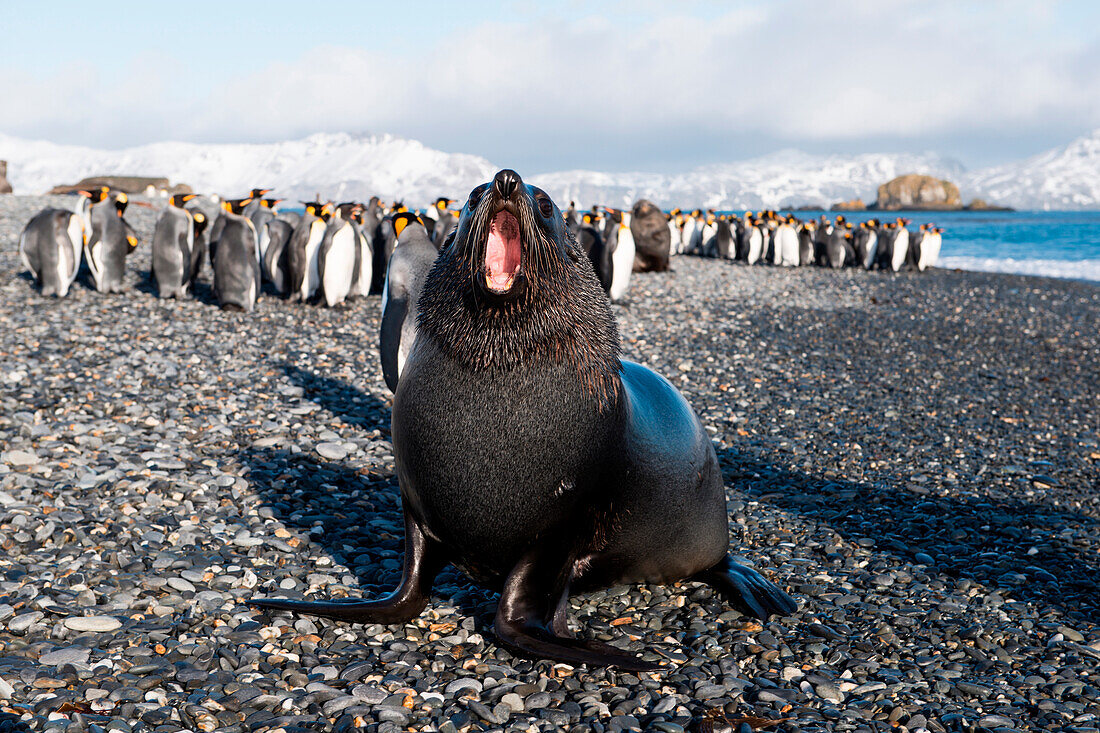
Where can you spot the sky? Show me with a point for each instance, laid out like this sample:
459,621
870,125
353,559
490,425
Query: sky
615,85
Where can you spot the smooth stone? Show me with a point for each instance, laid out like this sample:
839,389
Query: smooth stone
68,655
92,623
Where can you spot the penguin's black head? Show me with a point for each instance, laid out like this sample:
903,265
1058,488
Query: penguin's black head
402,220
121,202
97,194
510,234
179,199
236,206
259,193
321,210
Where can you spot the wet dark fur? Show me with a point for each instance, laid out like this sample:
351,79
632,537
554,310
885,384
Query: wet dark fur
652,239
560,316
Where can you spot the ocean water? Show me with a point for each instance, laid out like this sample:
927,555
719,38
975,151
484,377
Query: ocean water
1051,243
1062,244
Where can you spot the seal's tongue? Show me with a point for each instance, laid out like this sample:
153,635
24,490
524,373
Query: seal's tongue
502,252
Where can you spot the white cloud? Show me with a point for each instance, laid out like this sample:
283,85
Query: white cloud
794,71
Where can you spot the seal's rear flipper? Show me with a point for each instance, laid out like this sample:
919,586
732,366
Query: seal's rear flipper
389,610
532,639
423,561
525,617
747,590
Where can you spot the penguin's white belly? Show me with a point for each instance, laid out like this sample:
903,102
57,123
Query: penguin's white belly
786,246
685,237
366,267
930,251
901,249
312,279
403,350
23,255
756,246
76,246
622,263
709,232
95,262
872,251
339,266
262,243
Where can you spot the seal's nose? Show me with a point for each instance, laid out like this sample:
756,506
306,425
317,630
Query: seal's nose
506,183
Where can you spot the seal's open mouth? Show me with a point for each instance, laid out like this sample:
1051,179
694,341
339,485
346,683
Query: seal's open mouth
502,252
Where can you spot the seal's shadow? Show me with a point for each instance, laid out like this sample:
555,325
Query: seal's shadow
353,513
1016,548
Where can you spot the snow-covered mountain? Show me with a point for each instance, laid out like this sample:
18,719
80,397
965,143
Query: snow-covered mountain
780,180
1063,178
338,166
342,167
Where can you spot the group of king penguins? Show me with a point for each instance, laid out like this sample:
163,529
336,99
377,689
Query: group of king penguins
56,241
782,239
326,254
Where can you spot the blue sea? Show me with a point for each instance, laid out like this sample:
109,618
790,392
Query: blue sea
1051,243
1062,244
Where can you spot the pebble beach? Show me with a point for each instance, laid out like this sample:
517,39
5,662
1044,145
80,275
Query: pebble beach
914,457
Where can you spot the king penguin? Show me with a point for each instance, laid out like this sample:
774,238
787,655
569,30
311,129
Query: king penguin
753,240
900,249
924,251
364,252
785,251
305,278
52,243
865,240
236,269
337,257
572,219
806,250
620,241
446,221
176,258
412,259
110,243
724,246
260,212
274,265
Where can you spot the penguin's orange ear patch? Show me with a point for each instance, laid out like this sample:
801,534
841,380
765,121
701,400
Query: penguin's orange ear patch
132,241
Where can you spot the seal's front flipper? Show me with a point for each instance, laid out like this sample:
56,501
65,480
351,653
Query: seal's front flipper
423,561
530,604
747,590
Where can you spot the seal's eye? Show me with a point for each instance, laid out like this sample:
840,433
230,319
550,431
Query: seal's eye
546,207
475,197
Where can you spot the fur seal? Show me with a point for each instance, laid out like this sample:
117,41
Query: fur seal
531,456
